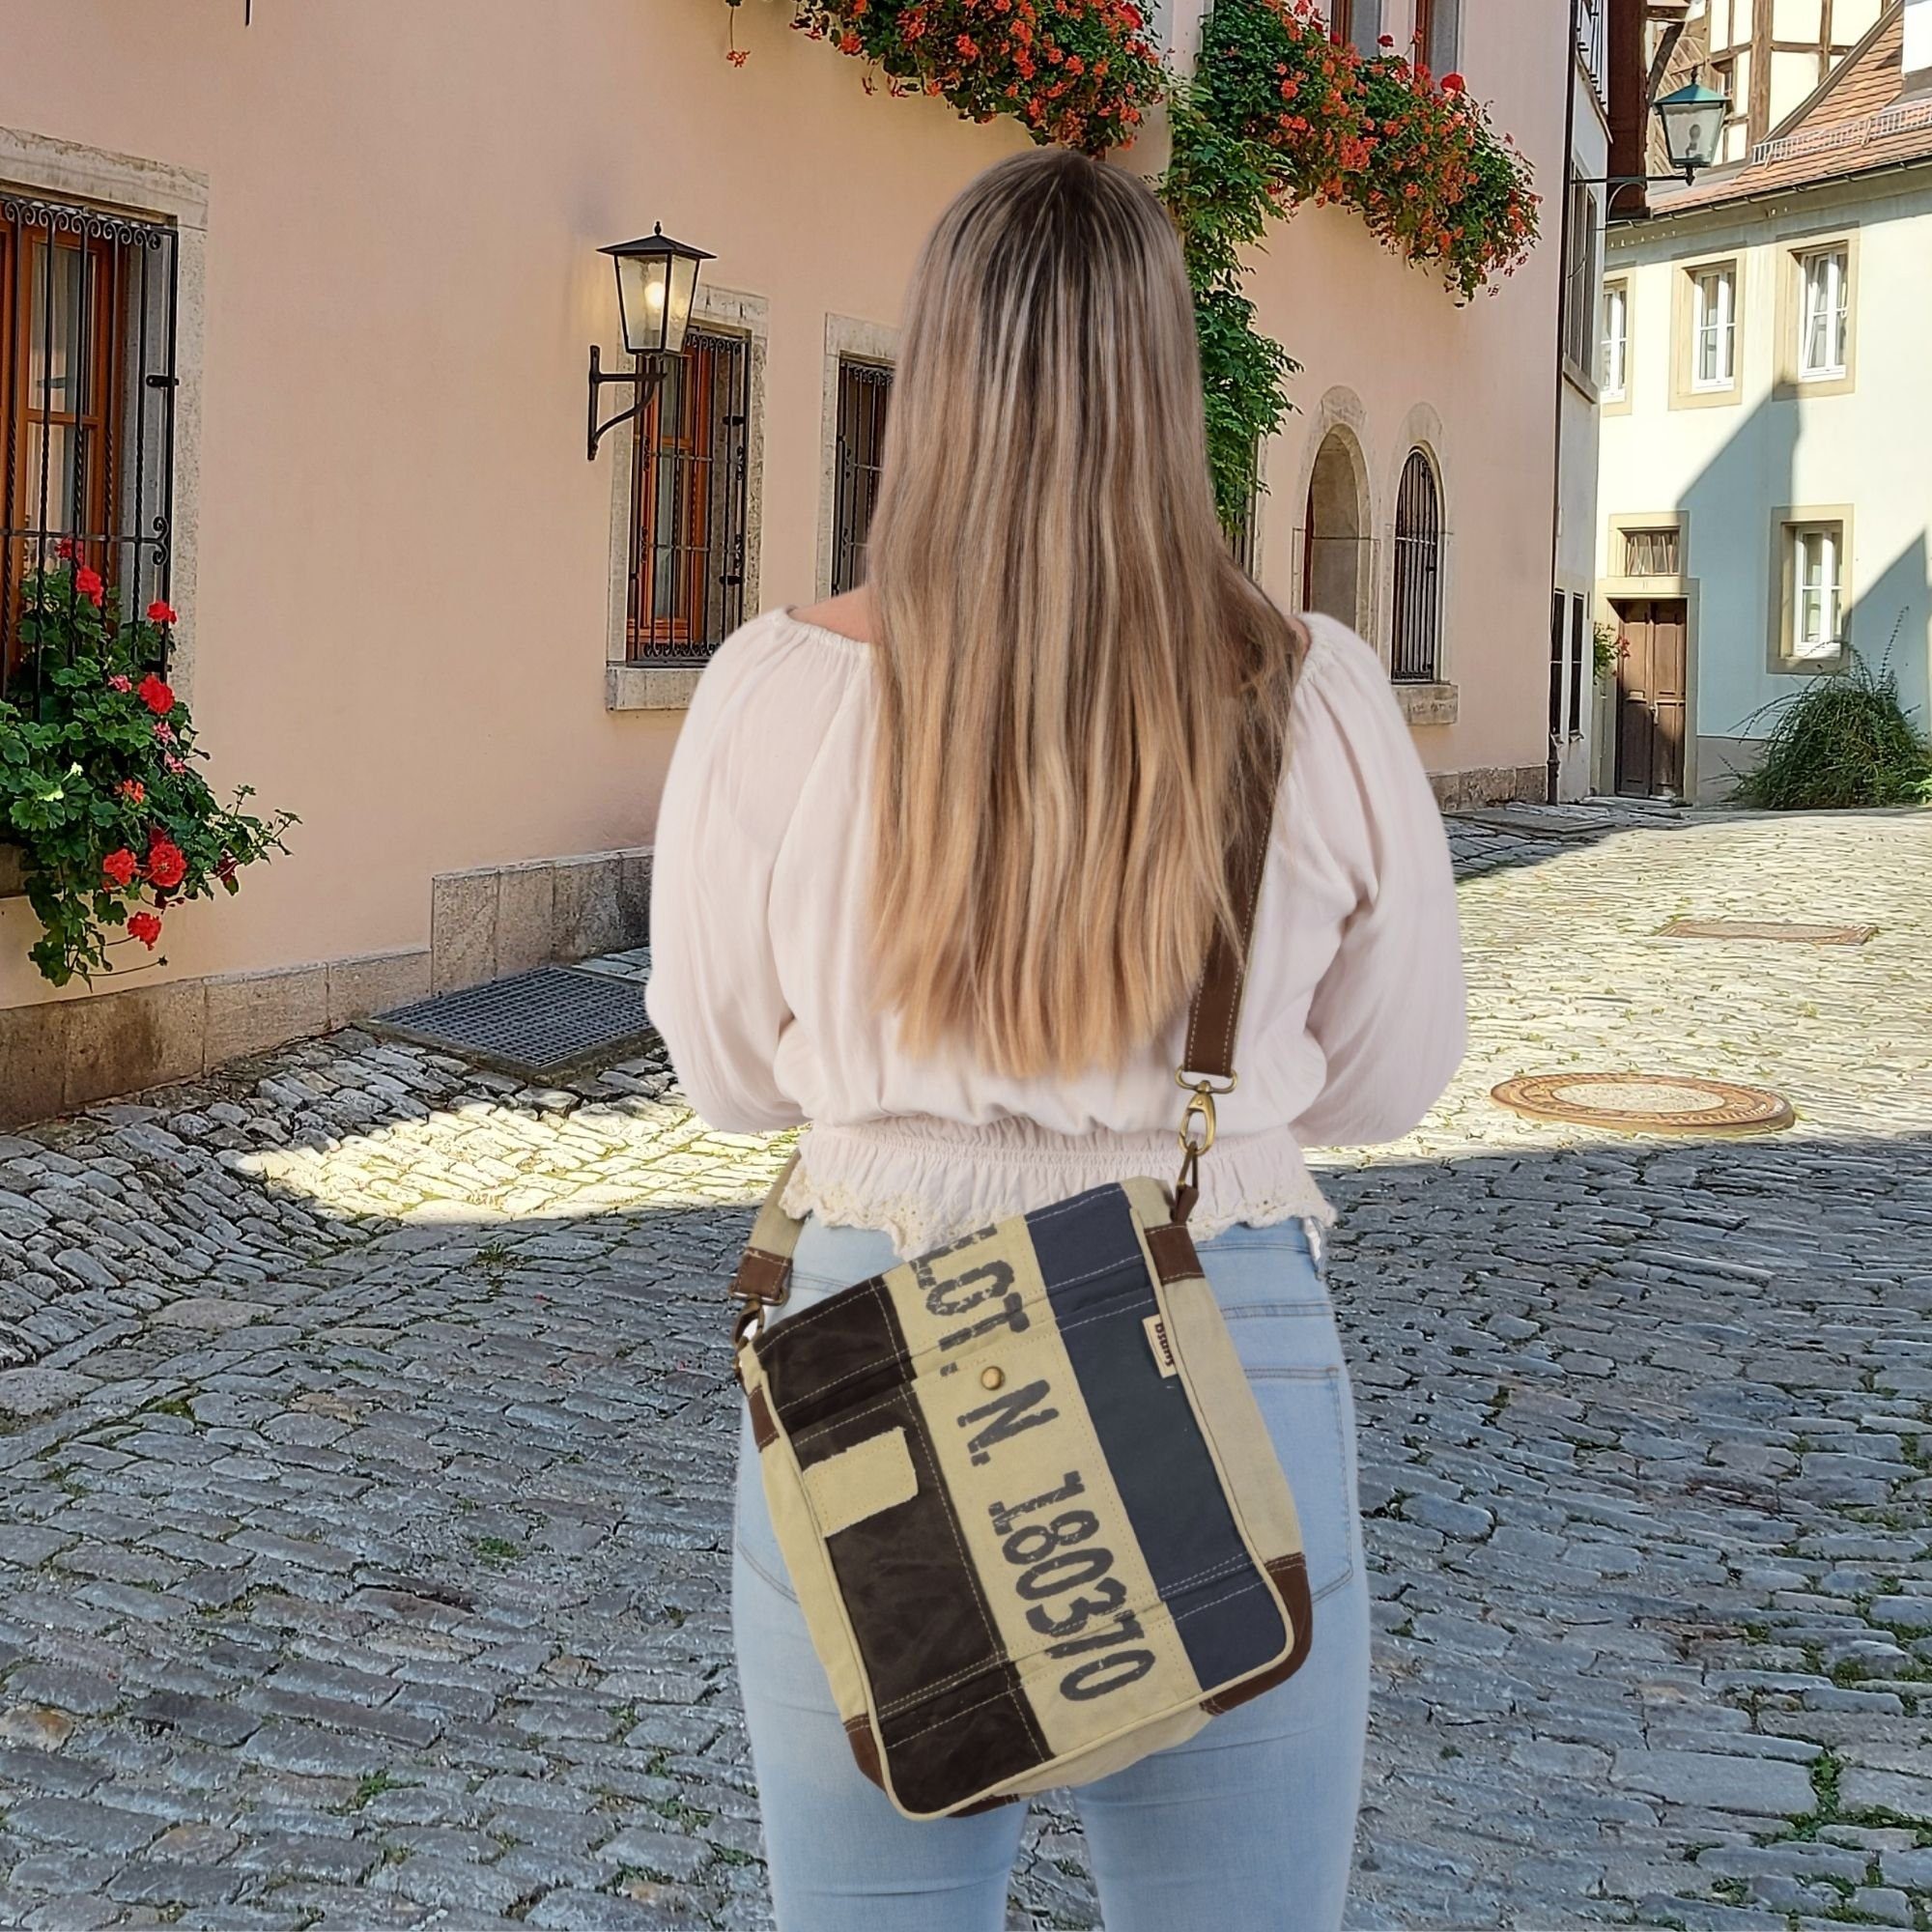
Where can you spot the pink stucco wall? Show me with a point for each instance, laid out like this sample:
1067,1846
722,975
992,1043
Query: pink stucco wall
404,559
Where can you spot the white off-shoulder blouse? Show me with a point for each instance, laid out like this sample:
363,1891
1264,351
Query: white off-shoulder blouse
1353,1016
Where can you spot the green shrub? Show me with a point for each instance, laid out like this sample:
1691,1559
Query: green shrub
1843,740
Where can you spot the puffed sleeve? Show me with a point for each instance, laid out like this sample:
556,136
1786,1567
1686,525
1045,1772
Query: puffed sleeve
714,991
1389,1014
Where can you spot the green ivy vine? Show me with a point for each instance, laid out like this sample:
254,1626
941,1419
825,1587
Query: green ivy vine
1276,116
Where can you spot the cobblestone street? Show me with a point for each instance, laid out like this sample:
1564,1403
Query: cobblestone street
366,1434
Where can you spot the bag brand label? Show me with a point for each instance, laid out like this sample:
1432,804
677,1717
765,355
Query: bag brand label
1163,1349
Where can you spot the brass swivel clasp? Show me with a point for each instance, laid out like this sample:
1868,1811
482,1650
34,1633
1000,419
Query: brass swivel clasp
1197,1123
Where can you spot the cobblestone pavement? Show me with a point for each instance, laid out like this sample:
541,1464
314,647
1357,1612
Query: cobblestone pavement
365,1433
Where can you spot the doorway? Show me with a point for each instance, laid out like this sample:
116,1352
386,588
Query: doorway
1652,679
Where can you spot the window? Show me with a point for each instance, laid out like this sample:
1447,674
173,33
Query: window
1592,17
1568,628
1357,23
1579,283
1655,553
1817,577
1415,655
1436,31
865,389
1824,318
1560,608
686,566
1579,625
1614,366
87,400
1714,328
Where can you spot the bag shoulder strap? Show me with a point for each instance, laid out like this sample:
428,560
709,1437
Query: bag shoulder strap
763,1278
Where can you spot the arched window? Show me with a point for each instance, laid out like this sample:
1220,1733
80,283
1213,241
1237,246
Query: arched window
1415,638
1332,546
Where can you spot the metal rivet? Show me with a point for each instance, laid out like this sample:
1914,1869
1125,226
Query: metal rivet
991,1377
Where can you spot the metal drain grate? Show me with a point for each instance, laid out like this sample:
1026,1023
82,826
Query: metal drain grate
1766,928
538,1025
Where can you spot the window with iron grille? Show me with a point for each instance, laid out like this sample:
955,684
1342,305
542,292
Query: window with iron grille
687,504
1415,647
864,393
87,405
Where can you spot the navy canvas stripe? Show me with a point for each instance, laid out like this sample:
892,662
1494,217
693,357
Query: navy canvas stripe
1098,1288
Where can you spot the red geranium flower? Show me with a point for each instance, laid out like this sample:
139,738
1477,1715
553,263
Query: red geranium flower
120,866
160,612
167,866
66,549
156,695
132,790
1452,83
87,581
145,927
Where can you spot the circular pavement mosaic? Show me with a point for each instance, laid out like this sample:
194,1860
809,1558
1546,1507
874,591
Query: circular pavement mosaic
1646,1103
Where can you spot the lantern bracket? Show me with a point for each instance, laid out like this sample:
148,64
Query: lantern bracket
644,381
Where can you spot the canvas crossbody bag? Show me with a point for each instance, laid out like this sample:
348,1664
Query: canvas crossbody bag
1028,1506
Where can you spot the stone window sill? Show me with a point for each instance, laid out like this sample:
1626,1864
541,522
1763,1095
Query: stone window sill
1428,703
629,687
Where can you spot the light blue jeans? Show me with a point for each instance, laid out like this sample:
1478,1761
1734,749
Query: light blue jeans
1247,1826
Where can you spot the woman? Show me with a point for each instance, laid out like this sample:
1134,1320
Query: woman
936,870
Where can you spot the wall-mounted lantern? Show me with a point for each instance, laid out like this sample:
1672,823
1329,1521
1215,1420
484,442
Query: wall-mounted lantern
1692,120
1694,125
657,282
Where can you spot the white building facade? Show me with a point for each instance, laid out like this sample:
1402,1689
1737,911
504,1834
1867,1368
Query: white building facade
1765,483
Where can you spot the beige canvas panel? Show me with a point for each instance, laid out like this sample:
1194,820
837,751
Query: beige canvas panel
1151,1202
1230,1419
807,1562
870,1476
773,1232
1027,1464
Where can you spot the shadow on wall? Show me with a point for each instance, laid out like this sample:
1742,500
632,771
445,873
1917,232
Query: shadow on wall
1889,621
1734,554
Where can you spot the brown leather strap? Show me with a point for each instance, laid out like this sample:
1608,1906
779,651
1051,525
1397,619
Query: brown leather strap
1216,1011
763,1279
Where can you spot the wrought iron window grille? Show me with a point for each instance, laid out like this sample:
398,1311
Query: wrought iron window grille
89,318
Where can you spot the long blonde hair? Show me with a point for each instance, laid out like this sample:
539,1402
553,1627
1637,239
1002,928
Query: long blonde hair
1076,677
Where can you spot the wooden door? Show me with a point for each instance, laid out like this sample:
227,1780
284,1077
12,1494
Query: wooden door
1652,679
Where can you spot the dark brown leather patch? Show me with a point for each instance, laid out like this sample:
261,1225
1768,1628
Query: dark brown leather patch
840,1357
864,1749
1173,1250
764,1429
761,1277
1289,1575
